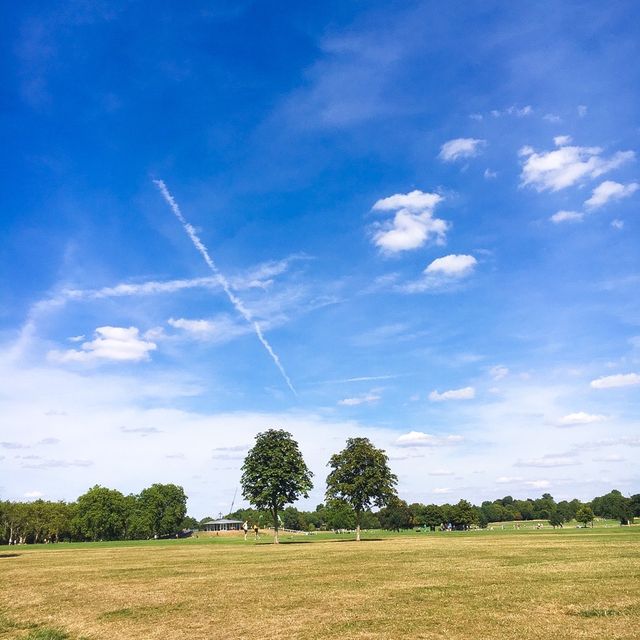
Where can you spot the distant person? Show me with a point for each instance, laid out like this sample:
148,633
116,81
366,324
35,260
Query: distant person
256,530
245,528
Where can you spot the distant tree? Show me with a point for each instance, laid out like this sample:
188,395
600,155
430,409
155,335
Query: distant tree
585,515
396,515
361,477
101,514
162,507
339,515
635,505
613,505
274,473
433,516
189,522
556,519
294,519
463,515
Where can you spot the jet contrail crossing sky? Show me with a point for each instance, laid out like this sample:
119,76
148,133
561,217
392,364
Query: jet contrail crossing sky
224,283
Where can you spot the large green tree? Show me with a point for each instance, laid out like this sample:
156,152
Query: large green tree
361,477
274,474
585,515
161,508
101,514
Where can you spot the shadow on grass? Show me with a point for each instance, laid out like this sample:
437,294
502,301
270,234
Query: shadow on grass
9,555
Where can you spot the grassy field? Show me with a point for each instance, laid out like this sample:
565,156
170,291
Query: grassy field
492,584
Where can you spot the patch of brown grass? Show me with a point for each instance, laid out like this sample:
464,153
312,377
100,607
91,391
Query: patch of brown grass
510,586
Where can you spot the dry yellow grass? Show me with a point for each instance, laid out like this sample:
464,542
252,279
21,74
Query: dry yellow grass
512,586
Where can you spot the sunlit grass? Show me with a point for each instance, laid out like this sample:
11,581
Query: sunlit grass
509,584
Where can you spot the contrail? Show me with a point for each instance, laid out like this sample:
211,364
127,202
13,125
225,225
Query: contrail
224,283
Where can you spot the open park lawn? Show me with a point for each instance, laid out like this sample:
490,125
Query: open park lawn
484,584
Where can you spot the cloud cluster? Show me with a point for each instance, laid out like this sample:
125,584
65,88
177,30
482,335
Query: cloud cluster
567,165
110,343
413,224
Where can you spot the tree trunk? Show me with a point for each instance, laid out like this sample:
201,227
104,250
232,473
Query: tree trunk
357,526
275,526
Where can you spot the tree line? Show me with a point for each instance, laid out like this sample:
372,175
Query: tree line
275,475
98,514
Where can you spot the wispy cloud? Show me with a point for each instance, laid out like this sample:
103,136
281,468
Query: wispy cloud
422,439
550,460
566,216
218,329
618,380
580,418
513,110
367,398
608,191
466,393
460,148
235,301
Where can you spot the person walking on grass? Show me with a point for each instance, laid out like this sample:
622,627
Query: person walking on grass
245,529
256,530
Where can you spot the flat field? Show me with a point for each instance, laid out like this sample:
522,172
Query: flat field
489,584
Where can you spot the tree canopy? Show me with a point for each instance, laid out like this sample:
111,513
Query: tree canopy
274,473
361,477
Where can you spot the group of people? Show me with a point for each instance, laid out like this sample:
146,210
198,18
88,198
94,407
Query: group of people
256,530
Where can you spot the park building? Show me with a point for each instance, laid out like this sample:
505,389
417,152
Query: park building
222,524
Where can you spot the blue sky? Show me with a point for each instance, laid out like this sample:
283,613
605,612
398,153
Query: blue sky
428,213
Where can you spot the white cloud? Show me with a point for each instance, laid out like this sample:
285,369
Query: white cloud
508,479
618,380
415,201
33,494
498,372
582,110
440,472
441,490
413,223
579,418
561,141
617,224
566,216
367,398
611,457
219,329
111,343
552,117
610,190
538,484
452,266
567,165
460,148
489,174
550,460
421,439
441,273
466,393
513,110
